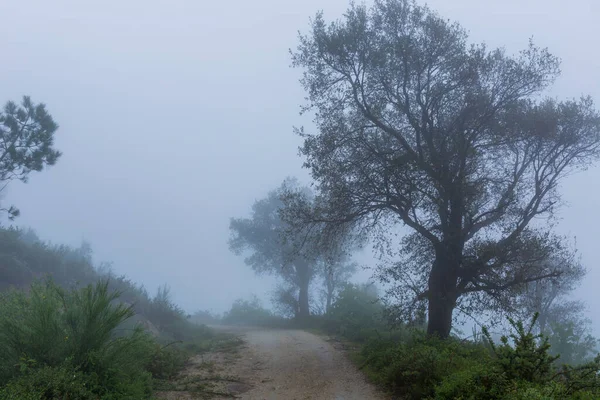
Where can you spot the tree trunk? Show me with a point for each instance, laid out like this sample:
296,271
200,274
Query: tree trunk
303,307
303,277
330,288
442,299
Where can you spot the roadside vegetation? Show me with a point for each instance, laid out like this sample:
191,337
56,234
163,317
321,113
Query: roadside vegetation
445,155
403,360
73,330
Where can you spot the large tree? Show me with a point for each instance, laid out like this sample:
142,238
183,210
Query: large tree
420,127
26,143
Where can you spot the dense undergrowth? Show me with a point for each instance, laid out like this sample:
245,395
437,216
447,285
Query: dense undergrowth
76,344
70,330
405,361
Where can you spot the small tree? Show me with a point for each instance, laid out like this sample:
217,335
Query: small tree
26,143
419,127
335,275
529,359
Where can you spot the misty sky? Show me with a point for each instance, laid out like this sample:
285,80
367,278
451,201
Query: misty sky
176,115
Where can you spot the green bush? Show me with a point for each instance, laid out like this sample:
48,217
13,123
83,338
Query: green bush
166,361
356,314
523,369
528,359
49,331
478,381
249,312
50,383
414,367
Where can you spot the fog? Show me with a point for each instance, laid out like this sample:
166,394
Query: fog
176,115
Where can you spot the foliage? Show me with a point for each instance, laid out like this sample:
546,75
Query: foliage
50,383
561,319
27,140
162,311
78,344
529,359
357,313
166,360
274,245
419,126
205,317
249,312
24,258
285,301
48,333
413,365
335,274
572,341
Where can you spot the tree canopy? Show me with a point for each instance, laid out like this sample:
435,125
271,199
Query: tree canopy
417,126
26,142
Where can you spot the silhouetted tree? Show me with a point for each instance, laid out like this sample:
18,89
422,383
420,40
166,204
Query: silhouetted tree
417,126
270,251
561,318
550,297
26,143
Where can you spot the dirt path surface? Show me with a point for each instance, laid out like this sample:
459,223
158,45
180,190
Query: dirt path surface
297,365
274,364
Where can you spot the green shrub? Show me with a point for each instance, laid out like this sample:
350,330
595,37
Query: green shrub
528,359
522,370
166,361
249,312
414,367
356,314
50,383
48,331
479,381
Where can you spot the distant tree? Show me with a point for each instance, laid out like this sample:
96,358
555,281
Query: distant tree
550,297
570,337
335,275
248,312
357,308
285,300
418,126
162,311
270,251
205,317
26,143
560,318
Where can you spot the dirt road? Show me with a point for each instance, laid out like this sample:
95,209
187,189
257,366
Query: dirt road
297,365
272,364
